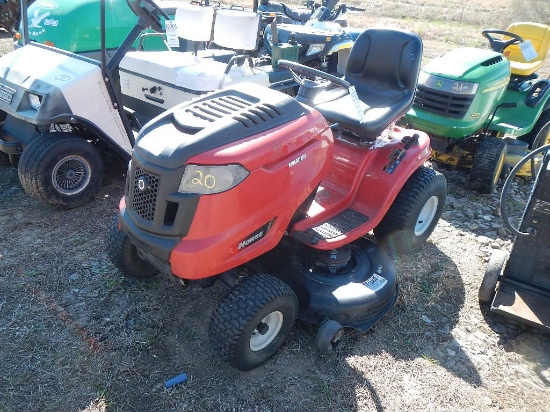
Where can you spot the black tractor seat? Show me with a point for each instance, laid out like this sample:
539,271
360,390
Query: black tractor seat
383,67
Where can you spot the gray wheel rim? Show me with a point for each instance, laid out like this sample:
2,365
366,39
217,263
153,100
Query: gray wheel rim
71,175
426,216
274,323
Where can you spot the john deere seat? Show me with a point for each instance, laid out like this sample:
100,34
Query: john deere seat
539,35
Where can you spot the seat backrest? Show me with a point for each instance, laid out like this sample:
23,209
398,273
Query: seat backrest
539,35
236,29
194,22
385,62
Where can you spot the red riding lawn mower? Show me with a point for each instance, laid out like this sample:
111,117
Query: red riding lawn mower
274,195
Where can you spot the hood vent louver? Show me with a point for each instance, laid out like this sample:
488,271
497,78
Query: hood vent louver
197,116
490,62
257,114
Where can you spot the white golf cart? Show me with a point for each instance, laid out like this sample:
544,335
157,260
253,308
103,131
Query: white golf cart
59,109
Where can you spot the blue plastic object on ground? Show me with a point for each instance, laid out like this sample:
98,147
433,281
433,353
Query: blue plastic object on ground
176,381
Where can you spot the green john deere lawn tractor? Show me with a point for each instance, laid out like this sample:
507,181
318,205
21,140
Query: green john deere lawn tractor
485,108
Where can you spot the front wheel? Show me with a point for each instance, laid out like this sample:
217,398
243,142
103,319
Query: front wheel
415,212
124,254
252,322
61,169
493,271
329,335
488,163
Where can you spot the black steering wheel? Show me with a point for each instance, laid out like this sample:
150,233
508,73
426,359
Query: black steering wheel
303,73
149,12
499,45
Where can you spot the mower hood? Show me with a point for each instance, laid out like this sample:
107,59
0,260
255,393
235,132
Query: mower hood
213,121
466,63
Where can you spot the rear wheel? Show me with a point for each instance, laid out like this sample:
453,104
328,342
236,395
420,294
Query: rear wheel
60,169
532,138
252,322
488,163
124,254
415,212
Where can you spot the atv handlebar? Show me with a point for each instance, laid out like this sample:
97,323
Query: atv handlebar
499,45
313,5
312,73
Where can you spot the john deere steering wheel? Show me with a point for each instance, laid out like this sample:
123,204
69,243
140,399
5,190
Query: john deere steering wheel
149,12
499,45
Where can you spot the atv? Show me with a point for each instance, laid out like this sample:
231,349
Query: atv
478,105
274,196
58,117
323,41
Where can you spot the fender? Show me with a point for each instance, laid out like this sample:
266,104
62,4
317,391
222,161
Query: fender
538,94
98,132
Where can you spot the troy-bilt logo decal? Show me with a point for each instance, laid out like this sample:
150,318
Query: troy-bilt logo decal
255,236
297,160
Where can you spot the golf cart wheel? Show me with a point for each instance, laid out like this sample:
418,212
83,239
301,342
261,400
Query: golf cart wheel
329,336
251,323
124,254
492,274
412,217
60,169
543,124
488,163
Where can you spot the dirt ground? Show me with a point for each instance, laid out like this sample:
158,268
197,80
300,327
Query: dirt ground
75,335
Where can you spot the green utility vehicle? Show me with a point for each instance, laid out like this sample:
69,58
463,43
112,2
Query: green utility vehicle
73,25
483,108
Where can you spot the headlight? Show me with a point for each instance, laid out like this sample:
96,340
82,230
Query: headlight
206,180
35,100
315,48
447,85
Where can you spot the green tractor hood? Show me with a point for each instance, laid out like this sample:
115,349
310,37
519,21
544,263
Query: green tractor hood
456,92
467,64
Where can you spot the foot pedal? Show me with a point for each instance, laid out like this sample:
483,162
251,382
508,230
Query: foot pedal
343,223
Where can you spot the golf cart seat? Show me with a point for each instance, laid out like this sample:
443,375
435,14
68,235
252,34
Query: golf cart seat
383,67
539,35
203,26
199,71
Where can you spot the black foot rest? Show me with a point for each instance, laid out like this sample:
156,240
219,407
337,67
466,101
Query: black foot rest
345,222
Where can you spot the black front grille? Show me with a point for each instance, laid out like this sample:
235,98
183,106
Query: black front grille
145,192
442,103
